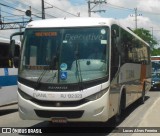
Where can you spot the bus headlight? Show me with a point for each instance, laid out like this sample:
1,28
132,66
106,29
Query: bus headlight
97,95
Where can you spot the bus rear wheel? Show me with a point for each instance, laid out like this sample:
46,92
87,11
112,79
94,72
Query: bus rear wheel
142,99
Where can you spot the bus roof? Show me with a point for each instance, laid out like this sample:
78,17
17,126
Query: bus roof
155,58
70,22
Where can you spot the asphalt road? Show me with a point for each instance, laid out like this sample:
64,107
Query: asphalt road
8,95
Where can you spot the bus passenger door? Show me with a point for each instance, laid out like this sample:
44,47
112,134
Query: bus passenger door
114,77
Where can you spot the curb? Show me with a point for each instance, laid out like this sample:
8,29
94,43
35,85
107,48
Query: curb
9,104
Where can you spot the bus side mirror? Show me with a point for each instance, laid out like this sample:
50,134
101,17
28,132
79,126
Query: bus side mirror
115,33
14,56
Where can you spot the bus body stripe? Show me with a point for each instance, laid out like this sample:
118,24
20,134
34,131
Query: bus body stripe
8,80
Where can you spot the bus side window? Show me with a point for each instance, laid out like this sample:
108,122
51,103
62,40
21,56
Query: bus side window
17,51
114,50
5,60
16,56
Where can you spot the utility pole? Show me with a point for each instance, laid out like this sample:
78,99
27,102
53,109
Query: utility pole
0,16
136,15
89,8
43,11
135,18
95,2
152,32
20,28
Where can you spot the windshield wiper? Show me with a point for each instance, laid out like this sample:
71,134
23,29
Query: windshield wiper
40,78
52,66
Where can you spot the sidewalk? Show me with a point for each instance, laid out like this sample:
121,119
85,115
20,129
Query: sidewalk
151,120
152,116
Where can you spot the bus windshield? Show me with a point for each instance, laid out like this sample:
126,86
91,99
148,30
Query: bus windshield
65,55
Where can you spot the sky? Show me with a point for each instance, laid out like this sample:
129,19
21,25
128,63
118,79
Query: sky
148,12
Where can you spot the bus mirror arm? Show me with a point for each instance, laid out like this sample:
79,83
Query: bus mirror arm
14,58
15,34
12,42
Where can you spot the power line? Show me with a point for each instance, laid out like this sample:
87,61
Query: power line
10,13
119,7
61,9
46,13
17,9
12,7
35,9
17,24
14,16
125,8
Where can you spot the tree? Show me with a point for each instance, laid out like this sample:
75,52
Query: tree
155,52
146,36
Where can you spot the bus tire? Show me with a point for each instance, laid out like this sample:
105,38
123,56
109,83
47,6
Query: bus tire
142,99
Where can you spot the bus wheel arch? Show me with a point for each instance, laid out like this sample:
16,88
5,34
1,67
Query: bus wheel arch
121,104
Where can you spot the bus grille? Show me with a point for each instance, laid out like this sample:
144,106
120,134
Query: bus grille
66,114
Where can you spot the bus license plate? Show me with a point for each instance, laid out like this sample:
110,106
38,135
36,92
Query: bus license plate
59,120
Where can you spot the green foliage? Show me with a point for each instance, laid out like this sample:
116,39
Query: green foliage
155,52
146,36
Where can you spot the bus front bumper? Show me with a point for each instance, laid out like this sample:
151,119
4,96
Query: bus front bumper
92,111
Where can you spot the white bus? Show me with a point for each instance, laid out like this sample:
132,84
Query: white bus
61,80
8,72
